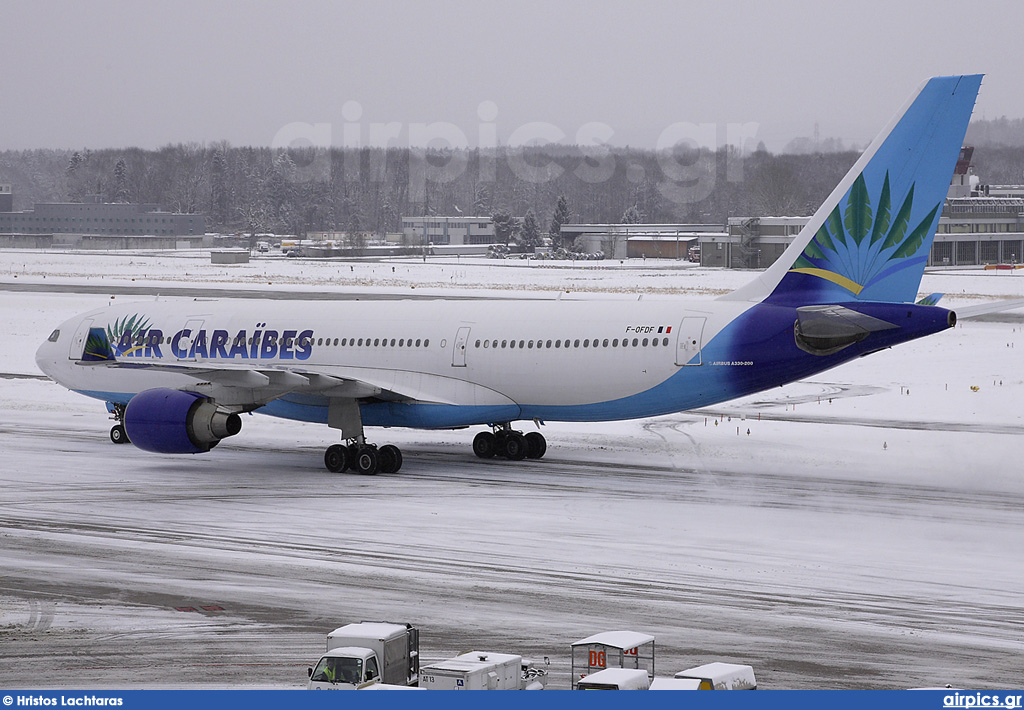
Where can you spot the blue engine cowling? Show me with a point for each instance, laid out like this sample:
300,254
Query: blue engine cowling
168,421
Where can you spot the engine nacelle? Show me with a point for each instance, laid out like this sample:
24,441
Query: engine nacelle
168,421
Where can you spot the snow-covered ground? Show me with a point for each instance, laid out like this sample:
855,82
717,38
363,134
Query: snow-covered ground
866,532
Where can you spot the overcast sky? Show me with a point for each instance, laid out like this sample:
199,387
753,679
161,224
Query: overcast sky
104,74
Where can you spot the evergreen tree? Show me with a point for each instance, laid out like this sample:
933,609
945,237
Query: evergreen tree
218,190
505,226
560,217
530,236
121,181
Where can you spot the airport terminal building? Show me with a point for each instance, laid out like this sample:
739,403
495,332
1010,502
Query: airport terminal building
97,224
455,231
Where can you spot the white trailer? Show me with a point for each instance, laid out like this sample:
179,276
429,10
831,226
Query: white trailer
475,670
722,676
616,679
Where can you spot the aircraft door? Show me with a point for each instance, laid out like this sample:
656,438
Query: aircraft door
185,342
689,341
79,340
459,353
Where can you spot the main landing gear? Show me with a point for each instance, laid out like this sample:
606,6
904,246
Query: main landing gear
363,458
356,455
513,445
117,432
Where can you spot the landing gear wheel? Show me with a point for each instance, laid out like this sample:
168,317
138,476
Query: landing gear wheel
118,435
390,458
336,458
485,445
515,446
536,445
366,461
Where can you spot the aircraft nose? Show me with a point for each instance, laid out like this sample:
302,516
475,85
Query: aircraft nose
45,354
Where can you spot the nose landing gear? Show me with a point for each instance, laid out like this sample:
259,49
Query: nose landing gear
117,433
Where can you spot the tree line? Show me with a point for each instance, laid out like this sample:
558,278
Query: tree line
528,191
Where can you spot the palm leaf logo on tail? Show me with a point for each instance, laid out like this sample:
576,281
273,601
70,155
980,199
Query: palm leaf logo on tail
861,245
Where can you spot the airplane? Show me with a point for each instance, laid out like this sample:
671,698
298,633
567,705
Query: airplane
177,374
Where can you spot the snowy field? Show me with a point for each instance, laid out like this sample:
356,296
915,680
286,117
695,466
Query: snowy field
865,533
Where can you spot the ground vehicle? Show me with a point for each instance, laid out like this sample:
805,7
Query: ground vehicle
368,652
481,670
616,679
722,676
675,684
612,649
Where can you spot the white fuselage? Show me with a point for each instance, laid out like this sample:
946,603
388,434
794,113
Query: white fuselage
528,354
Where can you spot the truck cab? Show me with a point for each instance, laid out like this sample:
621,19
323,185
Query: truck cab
345,668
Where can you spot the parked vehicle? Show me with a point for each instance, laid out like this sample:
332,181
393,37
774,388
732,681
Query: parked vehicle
368,652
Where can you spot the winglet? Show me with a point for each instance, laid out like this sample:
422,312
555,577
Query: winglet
870,239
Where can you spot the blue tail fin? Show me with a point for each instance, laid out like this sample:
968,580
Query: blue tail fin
869,241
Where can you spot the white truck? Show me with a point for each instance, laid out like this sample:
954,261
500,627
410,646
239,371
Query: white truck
483,670
366,653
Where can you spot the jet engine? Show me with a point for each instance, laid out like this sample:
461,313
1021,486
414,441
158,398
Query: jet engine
169,421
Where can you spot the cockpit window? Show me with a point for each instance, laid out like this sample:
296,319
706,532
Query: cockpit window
54,335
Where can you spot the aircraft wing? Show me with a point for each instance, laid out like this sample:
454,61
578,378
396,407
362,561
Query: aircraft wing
987,308
248,387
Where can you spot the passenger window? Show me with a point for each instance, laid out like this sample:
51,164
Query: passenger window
336,341
504,343
376,342
426,343
520,344
576,343
644,342
512,343
401,343
615,343
487,343
636,341
494,343
605,343
586,343
417,342
392,342
558,343
548,345
531,345
665,341
477,343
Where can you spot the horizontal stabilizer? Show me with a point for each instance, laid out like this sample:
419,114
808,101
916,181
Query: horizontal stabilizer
984,309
